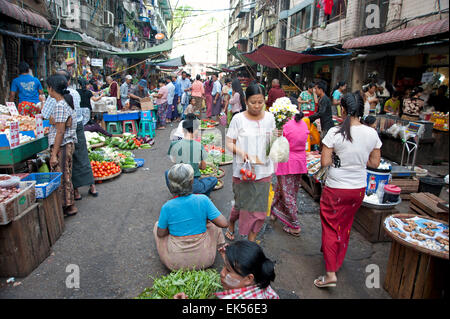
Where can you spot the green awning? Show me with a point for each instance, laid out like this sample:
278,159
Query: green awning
143,54
66,35
238,54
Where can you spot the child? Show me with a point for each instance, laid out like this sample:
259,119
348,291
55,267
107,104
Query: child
246,273
370,121
191,109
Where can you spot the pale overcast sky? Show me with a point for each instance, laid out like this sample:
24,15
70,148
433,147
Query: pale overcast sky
202,49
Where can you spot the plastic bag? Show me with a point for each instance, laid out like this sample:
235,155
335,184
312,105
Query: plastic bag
279,152
247,173
8,181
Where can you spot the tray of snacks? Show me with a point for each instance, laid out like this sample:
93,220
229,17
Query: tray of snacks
425,234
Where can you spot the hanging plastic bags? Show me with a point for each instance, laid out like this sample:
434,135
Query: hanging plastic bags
279,152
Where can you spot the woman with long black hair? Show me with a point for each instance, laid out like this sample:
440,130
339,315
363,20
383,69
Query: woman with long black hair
347,150
237,100
62,138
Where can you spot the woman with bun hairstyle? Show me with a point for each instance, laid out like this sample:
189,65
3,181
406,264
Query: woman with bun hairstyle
289,174
246,274
247,139
347,150
62,138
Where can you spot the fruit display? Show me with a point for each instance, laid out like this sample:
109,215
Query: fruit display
440,121
205,124
209,170
128,142
104,169
210,148
26,123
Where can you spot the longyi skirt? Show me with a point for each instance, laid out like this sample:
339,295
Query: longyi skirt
81,168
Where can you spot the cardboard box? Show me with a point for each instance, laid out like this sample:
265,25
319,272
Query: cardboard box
147,104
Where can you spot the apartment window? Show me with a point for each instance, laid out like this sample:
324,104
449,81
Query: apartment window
338,12
271,37
300,21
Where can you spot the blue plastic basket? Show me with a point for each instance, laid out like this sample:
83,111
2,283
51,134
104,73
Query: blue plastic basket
53,180
139,161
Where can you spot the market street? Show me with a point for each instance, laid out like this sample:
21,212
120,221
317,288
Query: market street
111,241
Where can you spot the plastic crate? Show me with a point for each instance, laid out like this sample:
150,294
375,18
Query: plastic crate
110,118
139,161
18,204
128,116
52,181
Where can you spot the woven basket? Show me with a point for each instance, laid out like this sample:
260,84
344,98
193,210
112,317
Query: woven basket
219,185
107,177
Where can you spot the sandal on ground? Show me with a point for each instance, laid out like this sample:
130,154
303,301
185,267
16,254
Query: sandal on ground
92,193
78,198
72,213
320,283
289,231
229,235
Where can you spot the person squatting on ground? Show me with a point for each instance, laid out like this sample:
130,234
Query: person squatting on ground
188,232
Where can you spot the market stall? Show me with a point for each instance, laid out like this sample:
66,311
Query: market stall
418,261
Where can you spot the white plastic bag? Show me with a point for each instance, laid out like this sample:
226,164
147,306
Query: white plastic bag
8,181
279,152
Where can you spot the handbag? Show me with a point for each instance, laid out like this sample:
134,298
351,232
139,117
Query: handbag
223,119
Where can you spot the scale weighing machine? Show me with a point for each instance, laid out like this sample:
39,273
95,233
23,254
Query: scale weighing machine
409,152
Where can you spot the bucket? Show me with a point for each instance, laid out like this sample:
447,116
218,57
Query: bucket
380,175
431,185
391,194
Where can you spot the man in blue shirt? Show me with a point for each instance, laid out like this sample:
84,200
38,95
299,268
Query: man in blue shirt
29,90
171,115
177,97
185,88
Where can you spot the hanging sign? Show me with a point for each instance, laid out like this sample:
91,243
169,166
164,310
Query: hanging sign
427,77
39,126
159,36
14,139
12,108
97,62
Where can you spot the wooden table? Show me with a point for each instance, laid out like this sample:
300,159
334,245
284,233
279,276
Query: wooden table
415,272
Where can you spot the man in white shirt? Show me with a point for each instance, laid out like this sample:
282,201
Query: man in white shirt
124,89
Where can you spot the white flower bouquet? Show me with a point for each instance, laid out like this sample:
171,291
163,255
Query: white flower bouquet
283,111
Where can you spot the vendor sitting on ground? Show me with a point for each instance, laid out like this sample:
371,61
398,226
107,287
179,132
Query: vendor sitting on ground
94,125
187,233
246,273
192,152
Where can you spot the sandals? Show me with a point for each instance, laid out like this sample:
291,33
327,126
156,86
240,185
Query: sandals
229,235
66,214
289,231
320,283
92,193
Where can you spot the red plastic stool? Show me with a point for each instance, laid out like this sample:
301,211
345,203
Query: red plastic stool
129,126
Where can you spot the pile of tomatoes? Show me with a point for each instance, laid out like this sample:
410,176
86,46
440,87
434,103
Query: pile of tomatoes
104,169
247,175
213,147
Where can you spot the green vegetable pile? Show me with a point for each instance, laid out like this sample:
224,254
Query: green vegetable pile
196,284
207,171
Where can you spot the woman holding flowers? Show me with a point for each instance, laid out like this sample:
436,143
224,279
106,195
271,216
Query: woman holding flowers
289,174
247,138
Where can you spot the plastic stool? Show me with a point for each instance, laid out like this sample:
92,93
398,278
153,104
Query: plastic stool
146,128
129,126
114,128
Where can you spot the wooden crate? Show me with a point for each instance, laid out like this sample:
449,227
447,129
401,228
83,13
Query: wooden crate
313,188
408,186
54,215
369,223
415,275
24,243
426,204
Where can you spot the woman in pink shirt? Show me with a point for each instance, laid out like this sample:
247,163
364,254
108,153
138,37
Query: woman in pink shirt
161,101
198,93
284,205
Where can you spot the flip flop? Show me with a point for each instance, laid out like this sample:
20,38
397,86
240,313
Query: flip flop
70,214
229,234
289,231
79,198
324,285
93,194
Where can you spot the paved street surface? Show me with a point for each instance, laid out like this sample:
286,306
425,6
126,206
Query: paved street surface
111,241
